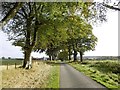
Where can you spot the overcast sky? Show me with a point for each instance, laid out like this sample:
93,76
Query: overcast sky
107,34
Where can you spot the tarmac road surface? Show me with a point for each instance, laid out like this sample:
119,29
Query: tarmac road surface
71,78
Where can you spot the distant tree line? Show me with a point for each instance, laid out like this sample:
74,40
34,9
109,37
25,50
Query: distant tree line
9,58
101,57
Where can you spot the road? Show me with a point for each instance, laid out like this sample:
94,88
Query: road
71,78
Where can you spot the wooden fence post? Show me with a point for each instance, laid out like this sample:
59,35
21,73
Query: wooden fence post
7,66
15,65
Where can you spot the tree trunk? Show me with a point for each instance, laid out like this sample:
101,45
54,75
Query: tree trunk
69,54
75,55
29,43
69,57
27,48
50,57
81,56
27,62
25,59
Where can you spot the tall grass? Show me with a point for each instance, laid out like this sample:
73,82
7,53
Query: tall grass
36,77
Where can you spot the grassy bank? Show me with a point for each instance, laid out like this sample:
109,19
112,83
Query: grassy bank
22,78
105,72
42,75
53,79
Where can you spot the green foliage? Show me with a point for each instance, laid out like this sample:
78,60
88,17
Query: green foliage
63,55
107,66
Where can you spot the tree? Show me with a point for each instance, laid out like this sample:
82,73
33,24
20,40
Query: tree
63,55
31,20
28,22
86,44
80,37
3,58
9,57
23,28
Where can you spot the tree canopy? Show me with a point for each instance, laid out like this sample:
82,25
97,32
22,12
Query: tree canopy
52,26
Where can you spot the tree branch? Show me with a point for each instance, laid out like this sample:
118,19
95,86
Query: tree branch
24,12
11,13
111,7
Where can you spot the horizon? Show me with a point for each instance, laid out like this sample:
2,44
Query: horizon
48,57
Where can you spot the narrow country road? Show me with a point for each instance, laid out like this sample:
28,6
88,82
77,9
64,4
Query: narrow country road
71,78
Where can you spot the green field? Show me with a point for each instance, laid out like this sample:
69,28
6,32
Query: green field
11,62
106,72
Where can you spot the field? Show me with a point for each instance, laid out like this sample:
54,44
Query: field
106,72
11,62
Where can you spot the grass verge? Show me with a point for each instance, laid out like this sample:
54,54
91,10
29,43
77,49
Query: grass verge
99,73
53,79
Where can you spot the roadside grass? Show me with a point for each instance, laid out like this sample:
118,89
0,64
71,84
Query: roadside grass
53,79
105,72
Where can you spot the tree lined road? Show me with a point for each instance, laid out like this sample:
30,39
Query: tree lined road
71,78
